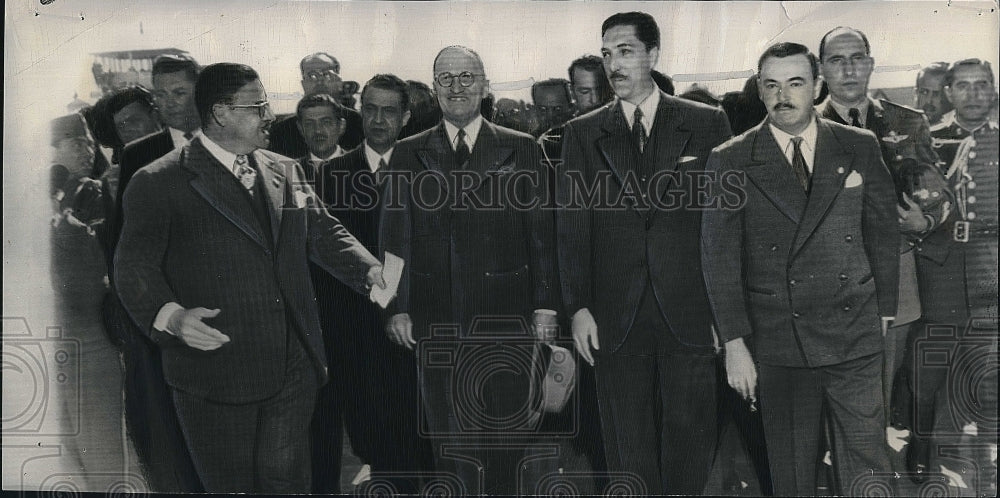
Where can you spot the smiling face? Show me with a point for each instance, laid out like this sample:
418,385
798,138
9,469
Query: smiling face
627,63
459,104
787,87
847,68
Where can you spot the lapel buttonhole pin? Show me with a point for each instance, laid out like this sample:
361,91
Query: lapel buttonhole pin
840,171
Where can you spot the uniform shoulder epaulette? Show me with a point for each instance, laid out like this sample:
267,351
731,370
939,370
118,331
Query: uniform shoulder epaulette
900,107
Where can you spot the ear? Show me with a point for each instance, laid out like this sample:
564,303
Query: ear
298,124
654,53
406,119
817,88
947,94
220,114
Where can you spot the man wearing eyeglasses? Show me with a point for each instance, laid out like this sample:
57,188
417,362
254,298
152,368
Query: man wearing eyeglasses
212,265
486,271
320,75
905,140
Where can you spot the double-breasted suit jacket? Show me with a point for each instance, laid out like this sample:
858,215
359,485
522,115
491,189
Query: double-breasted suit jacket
464,259
804,277
191,236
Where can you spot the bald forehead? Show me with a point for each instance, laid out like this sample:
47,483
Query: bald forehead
457,58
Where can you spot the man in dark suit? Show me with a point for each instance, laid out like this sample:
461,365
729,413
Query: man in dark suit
149,408
630,267
320,74
377,385
481,272
905,140
802,269
221,232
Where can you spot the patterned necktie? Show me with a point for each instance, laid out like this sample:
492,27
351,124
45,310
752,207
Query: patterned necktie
461,150
245,173
638,130
799,164
855,116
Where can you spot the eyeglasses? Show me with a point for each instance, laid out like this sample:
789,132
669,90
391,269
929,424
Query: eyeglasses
262,108
465,78
327,76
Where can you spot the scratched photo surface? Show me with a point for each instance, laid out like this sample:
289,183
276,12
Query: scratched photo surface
62,388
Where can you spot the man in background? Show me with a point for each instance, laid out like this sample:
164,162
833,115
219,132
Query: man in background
590,85
928,95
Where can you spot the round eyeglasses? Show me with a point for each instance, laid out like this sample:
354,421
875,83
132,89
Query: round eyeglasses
465,78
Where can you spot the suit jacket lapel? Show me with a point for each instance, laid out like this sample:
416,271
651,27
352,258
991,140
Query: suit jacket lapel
273,179
668,139
770,171
616,144
210,181
435,147
831,165
488,155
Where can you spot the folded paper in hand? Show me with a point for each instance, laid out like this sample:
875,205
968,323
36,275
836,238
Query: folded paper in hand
392,270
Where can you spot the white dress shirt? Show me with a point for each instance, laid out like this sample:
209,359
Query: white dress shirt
471,132
374,157
845,112
808,143
177,136
648,107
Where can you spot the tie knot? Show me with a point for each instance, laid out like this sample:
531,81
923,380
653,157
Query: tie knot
854,113
188,136
637,116
797,141
461,135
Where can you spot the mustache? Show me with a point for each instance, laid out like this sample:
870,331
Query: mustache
783,105
616,74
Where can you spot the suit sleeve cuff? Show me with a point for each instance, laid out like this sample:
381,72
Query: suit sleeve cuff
163,316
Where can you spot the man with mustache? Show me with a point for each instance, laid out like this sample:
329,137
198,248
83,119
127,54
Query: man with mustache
799,276
320,75
212,266
905,140
631,274
928,95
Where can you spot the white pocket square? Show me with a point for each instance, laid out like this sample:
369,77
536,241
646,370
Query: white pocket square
684,159
853,180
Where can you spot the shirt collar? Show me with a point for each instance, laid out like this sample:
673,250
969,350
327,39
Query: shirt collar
845,112
808,141
373,157
228,159
648,107
471,132
313,158
177,136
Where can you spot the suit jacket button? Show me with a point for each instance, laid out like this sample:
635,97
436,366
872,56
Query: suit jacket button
842,277
774,247
792,282
796,314
849,238
847,308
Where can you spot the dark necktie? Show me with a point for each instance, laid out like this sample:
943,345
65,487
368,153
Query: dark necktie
188,136
381,164
461,150
638,130
799,164
855,116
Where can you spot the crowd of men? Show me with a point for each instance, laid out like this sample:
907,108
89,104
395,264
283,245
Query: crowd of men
788,279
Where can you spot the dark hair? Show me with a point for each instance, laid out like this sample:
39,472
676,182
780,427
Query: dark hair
590,63
787,49
594,64
321,100
663,82
645,26
822,41
933,69
169,63
553,83
317,55
103,113
218,83
949,76
392,83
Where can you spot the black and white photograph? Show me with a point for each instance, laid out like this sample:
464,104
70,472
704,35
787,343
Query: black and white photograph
500,248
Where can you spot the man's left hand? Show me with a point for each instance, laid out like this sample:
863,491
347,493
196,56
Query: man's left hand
911,218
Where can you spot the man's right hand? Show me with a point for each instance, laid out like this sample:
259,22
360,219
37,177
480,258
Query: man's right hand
187,325
400,330
585,334
740,370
